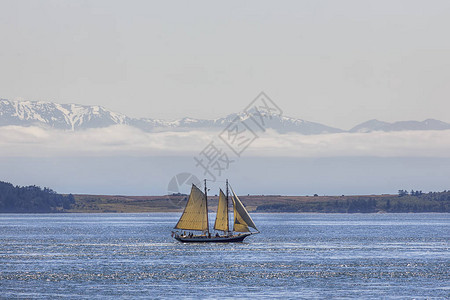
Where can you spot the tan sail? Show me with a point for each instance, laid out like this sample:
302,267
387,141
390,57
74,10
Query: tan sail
195,215
242,220
222,213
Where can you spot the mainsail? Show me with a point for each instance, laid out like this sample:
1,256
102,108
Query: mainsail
242,220
195,215
222,213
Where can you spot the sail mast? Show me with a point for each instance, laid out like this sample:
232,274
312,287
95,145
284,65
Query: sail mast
228,221
206,200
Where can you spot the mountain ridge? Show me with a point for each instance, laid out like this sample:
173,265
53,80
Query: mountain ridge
78,117
376,125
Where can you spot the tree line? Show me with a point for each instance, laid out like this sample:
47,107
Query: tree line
405,202
32,199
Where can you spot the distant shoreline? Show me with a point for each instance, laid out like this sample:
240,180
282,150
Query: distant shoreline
434,202
253,213
33,199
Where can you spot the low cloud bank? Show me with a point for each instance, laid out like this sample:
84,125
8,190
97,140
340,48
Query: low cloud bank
378,144
121,140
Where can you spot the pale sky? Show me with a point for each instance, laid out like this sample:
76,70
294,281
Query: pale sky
334,62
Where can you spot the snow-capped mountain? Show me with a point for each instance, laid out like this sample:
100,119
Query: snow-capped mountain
375,125
60,116
76,117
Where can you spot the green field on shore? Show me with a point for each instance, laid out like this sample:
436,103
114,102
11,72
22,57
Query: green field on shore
33,199
429,202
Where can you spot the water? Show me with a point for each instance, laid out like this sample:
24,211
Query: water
97,256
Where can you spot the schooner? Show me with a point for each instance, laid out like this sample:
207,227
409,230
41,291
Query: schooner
195,217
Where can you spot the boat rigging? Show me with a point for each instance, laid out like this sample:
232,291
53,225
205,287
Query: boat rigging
195,217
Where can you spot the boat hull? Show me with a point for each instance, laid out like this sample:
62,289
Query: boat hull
213,239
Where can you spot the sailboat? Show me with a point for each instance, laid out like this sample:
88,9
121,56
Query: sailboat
195,217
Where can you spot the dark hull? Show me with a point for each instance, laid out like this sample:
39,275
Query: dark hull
213,239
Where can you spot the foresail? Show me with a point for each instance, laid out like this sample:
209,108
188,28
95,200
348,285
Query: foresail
195,213
242,220
222,213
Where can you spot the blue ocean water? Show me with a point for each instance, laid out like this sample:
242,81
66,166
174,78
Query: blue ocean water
97,256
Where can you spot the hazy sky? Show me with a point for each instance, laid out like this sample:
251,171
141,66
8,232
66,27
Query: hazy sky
334,62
